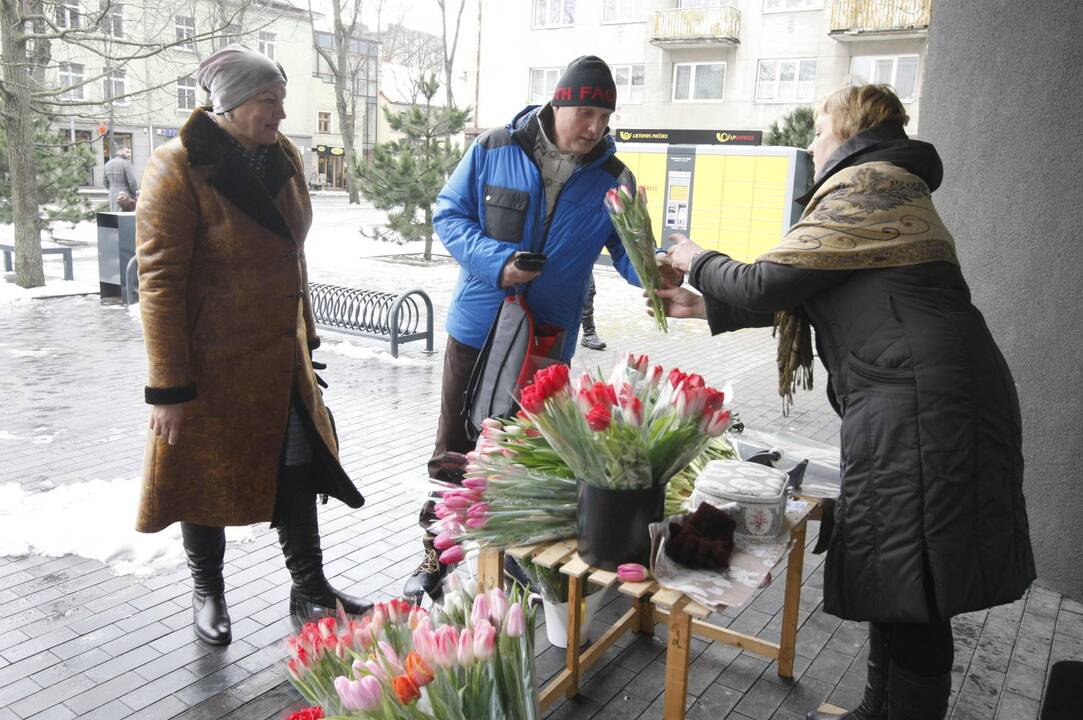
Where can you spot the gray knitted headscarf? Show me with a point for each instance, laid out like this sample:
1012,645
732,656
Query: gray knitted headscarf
235,73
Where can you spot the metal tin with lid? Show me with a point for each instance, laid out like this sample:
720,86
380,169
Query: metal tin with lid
758,490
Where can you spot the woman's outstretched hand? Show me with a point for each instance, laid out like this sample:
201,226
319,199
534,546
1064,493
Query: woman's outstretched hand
683,252
680,303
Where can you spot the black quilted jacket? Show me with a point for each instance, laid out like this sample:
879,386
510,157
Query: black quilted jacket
931,519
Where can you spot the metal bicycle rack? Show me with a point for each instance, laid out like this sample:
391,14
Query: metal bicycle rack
369,313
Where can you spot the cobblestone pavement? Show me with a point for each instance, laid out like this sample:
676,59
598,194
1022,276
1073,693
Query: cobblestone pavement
77,640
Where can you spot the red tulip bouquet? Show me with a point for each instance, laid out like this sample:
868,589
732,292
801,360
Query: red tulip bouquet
634,431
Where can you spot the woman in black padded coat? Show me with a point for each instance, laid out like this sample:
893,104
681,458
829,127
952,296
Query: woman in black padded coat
931,520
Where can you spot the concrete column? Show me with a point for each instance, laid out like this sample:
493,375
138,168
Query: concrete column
1003,102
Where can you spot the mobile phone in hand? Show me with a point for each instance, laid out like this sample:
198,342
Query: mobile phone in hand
530,261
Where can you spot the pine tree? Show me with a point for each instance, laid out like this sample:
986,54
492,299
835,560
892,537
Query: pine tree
794,130
61,166
405,176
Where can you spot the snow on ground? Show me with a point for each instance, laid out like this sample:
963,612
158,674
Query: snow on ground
368,352
97,517
84,267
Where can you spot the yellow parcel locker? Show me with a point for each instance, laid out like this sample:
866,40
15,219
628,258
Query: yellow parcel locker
735,199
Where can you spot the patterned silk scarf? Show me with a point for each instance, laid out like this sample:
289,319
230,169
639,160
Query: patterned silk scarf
875,215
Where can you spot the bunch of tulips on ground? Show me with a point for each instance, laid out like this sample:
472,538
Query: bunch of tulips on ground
634,431
628,211
472,659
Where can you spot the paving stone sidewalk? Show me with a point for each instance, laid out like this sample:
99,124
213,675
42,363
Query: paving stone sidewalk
77,640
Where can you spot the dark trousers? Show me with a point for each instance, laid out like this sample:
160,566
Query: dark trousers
588,309
926,649
451,436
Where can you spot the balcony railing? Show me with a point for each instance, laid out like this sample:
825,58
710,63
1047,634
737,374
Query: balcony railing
692,27
867,19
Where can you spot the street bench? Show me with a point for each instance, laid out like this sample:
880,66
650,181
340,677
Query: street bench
366,313
369,313
9,251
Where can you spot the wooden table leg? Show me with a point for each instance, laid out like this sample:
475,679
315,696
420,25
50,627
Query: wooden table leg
792,601
680,640
490,568
645,612
575,623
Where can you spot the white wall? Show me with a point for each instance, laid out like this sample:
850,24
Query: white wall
510,47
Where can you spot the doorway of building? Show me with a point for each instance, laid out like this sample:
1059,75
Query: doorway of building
331,166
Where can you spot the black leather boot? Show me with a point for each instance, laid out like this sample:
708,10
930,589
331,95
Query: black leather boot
874,706
311,596
206,547
428,577
917,697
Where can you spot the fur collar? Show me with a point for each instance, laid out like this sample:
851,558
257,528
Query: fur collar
207,145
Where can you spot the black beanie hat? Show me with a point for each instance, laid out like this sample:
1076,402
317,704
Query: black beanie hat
586,81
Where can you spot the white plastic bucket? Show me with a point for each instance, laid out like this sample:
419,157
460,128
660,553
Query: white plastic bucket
556,619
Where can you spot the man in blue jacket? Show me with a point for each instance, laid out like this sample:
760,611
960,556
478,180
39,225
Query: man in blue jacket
535,186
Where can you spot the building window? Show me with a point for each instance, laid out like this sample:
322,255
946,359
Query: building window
543,83
900,72
698,82
786,81
112,20
67,14
618,11
629,79
554,13
790,5
186,93
267,41
71,76
323,122
230,34
113,85
185,31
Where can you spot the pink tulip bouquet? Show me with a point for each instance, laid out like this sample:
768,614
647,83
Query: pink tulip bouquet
474,659
635,430
628,211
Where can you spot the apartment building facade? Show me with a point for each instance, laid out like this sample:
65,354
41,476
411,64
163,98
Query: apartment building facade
701,64
145,102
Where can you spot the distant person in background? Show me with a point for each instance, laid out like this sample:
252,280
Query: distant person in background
590,339
120,177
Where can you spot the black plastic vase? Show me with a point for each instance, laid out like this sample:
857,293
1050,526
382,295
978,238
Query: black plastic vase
613,525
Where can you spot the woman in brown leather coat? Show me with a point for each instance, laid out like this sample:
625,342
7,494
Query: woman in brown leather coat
239,431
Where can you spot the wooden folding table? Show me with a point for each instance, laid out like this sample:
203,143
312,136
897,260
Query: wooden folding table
652,604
